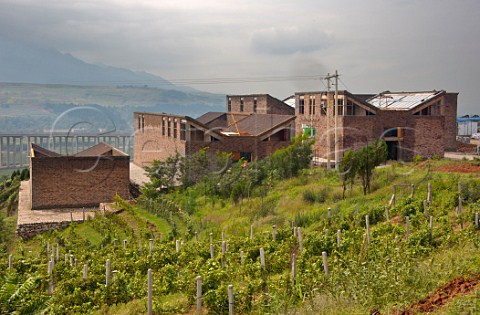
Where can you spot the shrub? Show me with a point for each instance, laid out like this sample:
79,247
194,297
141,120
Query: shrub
311,196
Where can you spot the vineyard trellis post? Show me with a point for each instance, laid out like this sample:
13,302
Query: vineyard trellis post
325,264
150,293
10,262
339,237
231,305
85,274
199,295
107,272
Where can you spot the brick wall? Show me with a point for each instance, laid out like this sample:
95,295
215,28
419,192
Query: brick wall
258,149
450,121
266,104
153,141
68,182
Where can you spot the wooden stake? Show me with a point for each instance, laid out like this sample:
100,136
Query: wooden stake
476,220
325,264
151,245
274,233
251,232
150,293
242,257
230,300
85,272
177,245
339,237
124,244
10,263
300,239
386,214
212,254
199,295
211,237
262,258
107,272
394,196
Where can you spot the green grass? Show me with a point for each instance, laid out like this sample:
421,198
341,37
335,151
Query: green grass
383,276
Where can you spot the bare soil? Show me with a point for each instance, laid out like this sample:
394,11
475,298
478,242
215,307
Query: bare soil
438,298
454,167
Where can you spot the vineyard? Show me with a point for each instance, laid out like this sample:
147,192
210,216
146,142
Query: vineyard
294,247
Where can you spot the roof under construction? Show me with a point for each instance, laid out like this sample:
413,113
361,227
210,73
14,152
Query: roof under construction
401,100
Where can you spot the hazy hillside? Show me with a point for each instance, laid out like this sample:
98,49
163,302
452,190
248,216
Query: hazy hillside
24,63
34,107
47,83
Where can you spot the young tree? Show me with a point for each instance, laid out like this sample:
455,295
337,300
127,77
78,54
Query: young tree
287,162
348,170
164,174
367,158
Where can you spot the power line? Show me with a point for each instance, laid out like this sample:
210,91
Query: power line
213,81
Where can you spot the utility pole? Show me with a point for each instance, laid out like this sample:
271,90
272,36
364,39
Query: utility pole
328,121
335,113
337,160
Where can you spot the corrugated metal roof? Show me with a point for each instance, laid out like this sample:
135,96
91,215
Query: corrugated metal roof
290,101
402,100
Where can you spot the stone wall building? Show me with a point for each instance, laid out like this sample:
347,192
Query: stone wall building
253,127
411,123
84,179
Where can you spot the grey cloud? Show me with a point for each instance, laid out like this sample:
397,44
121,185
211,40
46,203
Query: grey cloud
289,40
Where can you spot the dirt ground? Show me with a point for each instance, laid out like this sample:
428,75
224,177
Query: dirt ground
455,167
439,297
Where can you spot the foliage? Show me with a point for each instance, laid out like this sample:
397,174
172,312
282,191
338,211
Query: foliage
390,270
348,170
287,162
367,158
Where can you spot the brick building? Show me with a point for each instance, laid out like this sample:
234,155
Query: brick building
253,127
81,180
411,123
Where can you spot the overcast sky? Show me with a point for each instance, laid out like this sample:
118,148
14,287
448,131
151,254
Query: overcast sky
376,45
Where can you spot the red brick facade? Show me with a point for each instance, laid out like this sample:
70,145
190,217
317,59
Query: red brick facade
77,181
257,103
408,133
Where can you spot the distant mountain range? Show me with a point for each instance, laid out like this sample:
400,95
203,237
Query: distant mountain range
39,83
25,63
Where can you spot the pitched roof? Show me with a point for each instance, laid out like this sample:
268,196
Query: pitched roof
97,150
38,151
258,124
402,100
209,117
101,149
